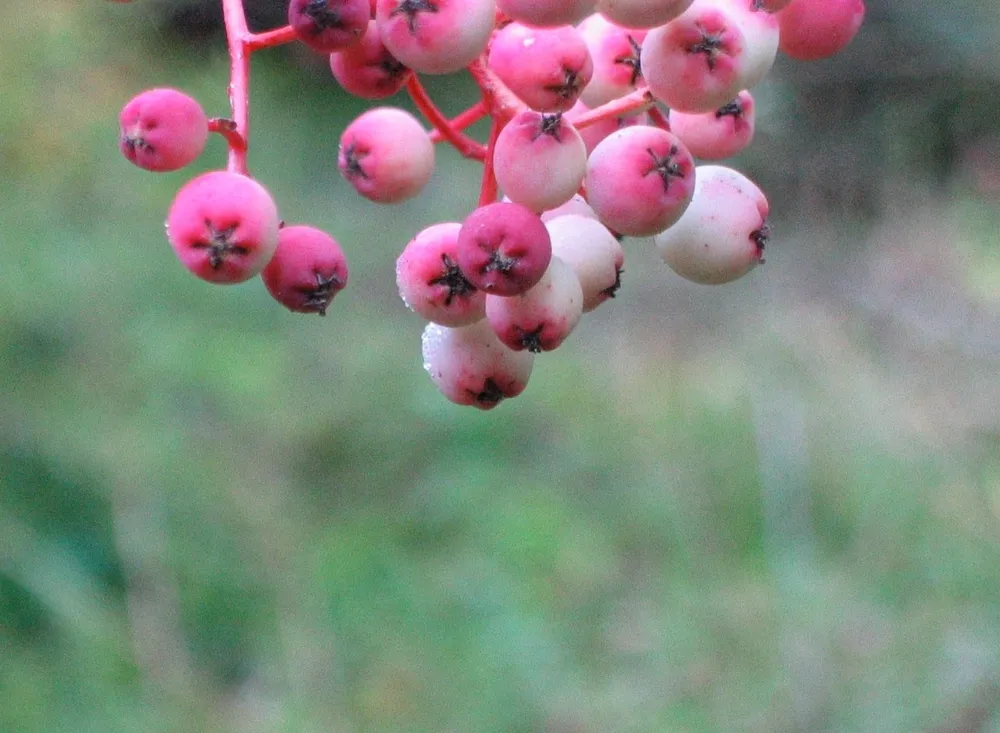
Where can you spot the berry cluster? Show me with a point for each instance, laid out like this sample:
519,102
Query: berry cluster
599,111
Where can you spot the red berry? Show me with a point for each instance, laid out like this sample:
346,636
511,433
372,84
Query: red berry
223,227
162,129
307,270
329,25
503,248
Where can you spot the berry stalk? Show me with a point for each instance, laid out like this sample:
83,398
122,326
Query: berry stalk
465,145
237,39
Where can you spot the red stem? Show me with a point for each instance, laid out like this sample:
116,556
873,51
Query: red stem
463,120
227,128
237,38
499,100
488,187
468,147
659,119
268,39
641,100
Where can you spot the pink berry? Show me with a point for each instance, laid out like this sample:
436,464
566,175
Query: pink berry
716,135
818,29
367,69
577,205
386,155
640,180
329,25
223,227
546,67
615,52
594,253
722,234
435,36
162,130
539,160
503,248
540,318
307,270
760,31
641,13
547,14
431,283
695,62
470,366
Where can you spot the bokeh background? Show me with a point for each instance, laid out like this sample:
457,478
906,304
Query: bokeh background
770,506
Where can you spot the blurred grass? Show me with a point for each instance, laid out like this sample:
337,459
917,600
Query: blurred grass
770,507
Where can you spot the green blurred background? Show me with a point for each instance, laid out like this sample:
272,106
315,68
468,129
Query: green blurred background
769,506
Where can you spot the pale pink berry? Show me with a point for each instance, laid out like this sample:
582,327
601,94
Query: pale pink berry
696,62
540,318
223,227
367,69
546,13
539,160
162,129
470,366
594,253
546,67
640,180
716,135
307,270
329,25
430,281
503,248
615,52
818,29
575,206
435,36
722,234
386,155
760,31
641,13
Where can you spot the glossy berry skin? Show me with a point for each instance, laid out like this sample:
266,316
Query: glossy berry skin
306,271
430,281
470,366
503,248
367,69
329,25
223,227
640,180
722,235
435,36
539,160
162,130
720,134
817,29
546,67
386,155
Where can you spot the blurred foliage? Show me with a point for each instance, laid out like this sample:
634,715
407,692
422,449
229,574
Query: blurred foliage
773,506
